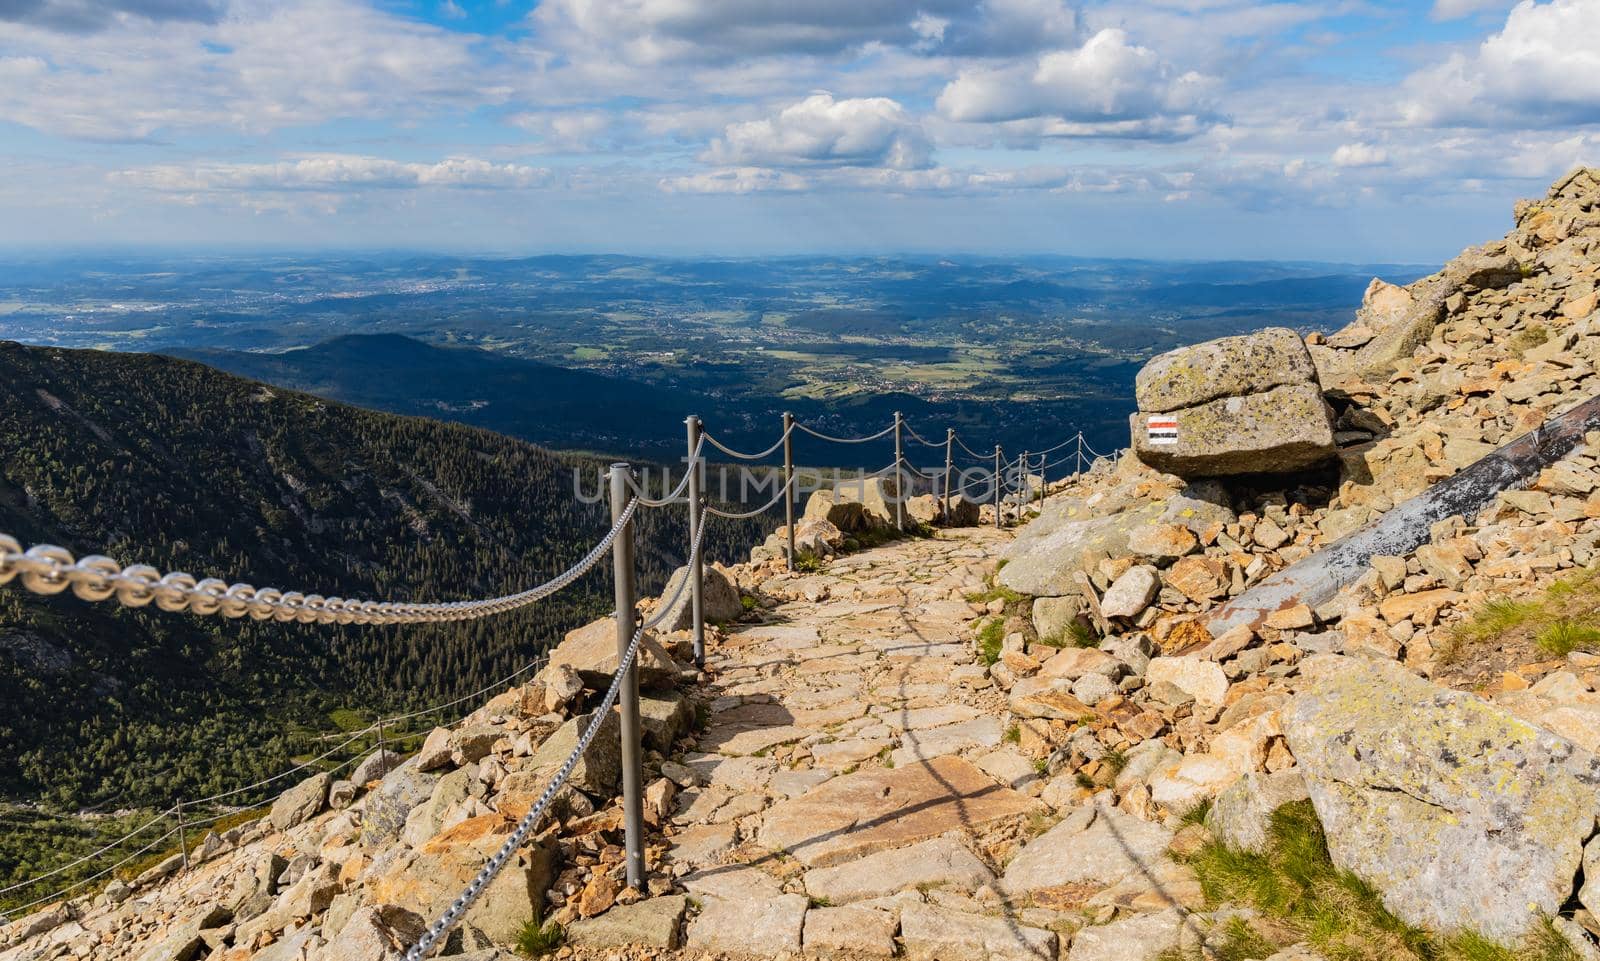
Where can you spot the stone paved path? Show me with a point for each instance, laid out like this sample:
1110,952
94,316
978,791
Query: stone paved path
855,794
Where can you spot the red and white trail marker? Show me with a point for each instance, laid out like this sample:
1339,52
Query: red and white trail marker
1162,430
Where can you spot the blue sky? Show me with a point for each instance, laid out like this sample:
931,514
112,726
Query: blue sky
1355,130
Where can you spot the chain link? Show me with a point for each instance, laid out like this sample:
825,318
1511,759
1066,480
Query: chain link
48,569
845,440
743,456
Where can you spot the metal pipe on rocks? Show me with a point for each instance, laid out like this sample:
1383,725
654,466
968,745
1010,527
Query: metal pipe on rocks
996,478
183,835
696,573
1316,579
899,462
788,483
628,695
949,461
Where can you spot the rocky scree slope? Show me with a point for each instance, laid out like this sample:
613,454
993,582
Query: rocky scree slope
920,752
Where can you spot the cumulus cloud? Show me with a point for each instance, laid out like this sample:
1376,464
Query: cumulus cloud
332,172
88,16
822,131
265,66
1542,69
1360,155
661,31
738,180
998,28
1108,86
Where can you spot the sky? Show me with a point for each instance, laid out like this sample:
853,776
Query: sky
1208,129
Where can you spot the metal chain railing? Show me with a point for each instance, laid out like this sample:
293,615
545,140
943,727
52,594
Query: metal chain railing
846,440
769,505
776,446
48,569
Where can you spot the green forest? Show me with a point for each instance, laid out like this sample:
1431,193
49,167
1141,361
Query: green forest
170,463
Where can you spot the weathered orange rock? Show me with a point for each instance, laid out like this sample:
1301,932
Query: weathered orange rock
1199,578
598,895
1186,637
1422,606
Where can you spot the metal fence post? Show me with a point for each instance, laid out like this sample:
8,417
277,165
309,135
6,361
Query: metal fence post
788,481
183,836
1024,492
696,569
949,461
997,479
628,697
899,494
380,736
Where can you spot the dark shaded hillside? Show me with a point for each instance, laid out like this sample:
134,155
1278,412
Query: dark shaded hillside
171,463
543,403
582,410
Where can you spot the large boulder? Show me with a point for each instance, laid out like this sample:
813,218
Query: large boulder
428,879
1462,816
301,802
1226,367
1236,405
1047,564
387,808
1072,536
599,770
591,650
876,495
1286,429
719,599
849,516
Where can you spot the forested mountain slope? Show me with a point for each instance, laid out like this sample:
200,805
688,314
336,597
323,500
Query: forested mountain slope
174,464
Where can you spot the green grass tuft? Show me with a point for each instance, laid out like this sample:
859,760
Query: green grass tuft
536,940
1564,637
990,637
1558,622
1198,813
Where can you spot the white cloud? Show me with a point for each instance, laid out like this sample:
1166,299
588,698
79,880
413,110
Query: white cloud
332,172
1108,86
1541,69
88,16
739,180
822,131
1456,9
265,66
1360,155
662,31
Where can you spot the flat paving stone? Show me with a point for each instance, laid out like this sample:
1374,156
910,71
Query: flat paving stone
838,755
1109,848
927,717
702,843
942,861
849,932
857,814
732,881
938,934
920,746
654,922
765,928
1137,938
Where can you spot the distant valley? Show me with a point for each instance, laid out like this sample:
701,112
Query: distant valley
1009,350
